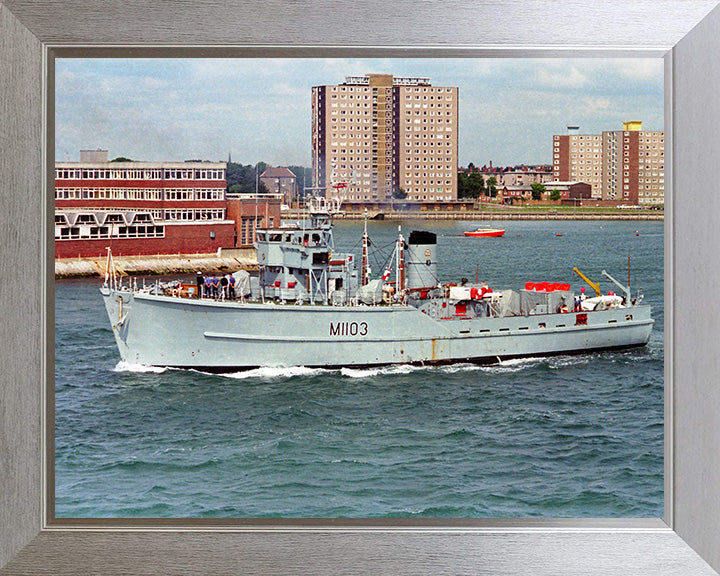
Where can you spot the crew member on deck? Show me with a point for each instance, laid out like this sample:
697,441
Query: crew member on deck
200,282
231,287
208,286
224,287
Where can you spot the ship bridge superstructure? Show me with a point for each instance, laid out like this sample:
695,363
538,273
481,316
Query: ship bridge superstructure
299,264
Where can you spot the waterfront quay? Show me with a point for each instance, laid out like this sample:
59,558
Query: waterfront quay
224,261
232,259
560,213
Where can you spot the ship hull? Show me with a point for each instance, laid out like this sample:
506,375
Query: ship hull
229,336
489,233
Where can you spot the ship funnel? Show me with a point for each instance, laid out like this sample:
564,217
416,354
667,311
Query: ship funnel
421,261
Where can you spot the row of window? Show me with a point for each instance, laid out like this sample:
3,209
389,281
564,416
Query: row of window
413,182
412,139
347,123
188,215
408,120
118,218
611,136
415,138
575,163
100,232
63,193
366,137
101,218
406,89
384,118
416,108
426,174
436,197
138,174
441,103
194,194
407,166
416,96
60,218
425,112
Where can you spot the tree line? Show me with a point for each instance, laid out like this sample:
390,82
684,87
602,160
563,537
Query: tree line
242,179
472,184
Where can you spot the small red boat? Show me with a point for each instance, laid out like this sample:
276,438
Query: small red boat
487,232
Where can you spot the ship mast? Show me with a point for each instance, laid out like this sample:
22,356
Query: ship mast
399,262
365,268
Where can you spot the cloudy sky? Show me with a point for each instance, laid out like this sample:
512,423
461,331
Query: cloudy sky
259,109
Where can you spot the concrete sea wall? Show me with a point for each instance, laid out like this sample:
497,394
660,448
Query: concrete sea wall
227,260
232,259
560,215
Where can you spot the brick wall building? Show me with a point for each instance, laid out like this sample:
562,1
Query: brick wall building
250,212
140,208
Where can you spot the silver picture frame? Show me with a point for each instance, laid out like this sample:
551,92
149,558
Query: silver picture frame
683,32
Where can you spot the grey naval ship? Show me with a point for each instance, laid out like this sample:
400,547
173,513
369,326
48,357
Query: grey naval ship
311,306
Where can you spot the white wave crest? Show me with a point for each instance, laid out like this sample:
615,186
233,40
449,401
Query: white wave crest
359,372
512,365
520,361
563,361
455,368
384,371
123,366
275,372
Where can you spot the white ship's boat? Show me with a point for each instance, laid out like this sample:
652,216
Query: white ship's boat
311,306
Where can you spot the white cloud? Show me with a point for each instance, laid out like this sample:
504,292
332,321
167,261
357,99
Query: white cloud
561,78
641,69
595,105
260,108
287,89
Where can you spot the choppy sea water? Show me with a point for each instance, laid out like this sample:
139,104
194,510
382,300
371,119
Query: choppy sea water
567,436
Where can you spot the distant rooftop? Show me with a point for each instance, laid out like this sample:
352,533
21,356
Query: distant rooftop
98,155
277,172
396,81
559,183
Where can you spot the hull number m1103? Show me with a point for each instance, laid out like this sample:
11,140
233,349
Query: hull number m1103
348,328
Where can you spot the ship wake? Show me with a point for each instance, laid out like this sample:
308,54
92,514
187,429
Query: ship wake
123,366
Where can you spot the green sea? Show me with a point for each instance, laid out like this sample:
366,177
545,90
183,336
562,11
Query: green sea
567,436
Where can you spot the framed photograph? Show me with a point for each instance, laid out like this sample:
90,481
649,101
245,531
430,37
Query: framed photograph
525,381
685,535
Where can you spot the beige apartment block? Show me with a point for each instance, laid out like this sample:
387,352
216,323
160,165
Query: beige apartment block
631,163
578,157
651,167
374,134
634,165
